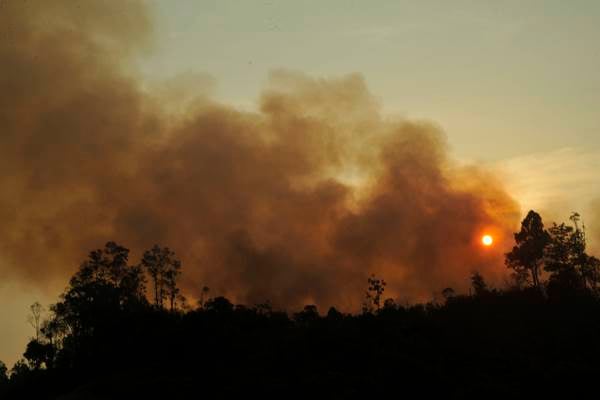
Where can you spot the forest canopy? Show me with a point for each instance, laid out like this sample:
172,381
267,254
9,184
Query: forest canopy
119,326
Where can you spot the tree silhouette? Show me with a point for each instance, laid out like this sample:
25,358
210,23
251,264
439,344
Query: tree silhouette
265,308
105,284
448,293
164,268
526,258
55,329
590,269
105,340
34,318
478,284
308,314
3,374
203,296
39,354
560,257
587,266
373,294
19,371
219,305
570,267
334,315
389,304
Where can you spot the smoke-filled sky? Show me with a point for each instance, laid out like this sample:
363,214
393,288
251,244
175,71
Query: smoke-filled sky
287,150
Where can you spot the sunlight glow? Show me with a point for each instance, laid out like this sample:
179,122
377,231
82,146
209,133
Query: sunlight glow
487,240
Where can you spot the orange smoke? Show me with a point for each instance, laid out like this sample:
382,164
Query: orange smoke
297,202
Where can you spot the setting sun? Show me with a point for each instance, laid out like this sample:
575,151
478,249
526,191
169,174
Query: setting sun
487,240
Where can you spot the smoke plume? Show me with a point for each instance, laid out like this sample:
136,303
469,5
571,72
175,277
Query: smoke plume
298,202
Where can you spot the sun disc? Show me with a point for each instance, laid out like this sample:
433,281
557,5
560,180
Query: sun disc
487,240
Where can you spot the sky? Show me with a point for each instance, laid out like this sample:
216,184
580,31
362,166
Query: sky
503,79
513,86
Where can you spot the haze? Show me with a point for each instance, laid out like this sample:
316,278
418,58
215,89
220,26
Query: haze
513,87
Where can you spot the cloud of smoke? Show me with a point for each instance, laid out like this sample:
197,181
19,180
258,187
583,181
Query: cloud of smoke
298,202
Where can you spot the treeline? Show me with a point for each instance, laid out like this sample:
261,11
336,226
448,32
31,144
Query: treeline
553,259
125,331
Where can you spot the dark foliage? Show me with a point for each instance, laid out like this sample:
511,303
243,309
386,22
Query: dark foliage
106,341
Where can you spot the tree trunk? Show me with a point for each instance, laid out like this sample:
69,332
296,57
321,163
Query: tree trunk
535,276
155,291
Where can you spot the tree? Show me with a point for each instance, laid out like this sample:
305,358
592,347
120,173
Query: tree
526,258
389,304
104,284
448,293
55,329
3,374
478,283
265,308
334,315
591,272
309,314
566,258
219,304
587,266
164,268
19,371
373,295
39,354
560,257
34,318
171,287
203,296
